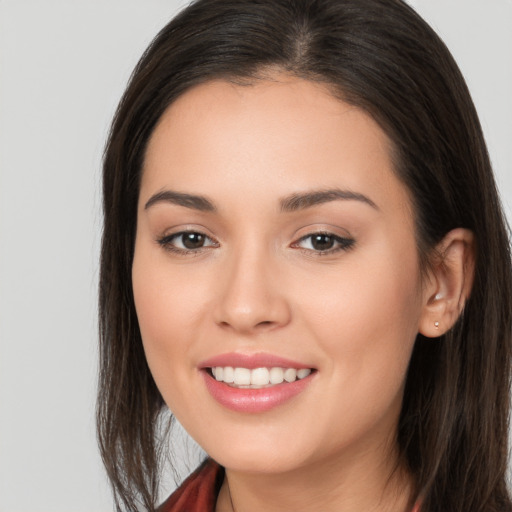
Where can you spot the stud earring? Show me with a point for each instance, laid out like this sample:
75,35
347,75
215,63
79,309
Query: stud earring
436,325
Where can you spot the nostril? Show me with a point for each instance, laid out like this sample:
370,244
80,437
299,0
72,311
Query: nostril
251,314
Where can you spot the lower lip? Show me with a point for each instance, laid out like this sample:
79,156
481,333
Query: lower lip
254,400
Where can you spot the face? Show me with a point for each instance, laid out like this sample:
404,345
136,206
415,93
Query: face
276,276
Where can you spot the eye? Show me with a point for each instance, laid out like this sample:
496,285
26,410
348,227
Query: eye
324,243
186,242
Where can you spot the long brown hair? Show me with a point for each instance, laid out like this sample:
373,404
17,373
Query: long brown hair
380,56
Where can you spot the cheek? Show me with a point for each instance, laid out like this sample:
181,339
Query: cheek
366,319
168,313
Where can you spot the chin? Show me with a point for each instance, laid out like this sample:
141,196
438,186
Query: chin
262,452
259,461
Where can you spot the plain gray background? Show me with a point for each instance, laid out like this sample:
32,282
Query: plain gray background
63,67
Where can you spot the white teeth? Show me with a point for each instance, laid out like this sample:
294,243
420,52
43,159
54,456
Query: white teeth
229,374
303,372
242,377
276,375
290,374
258,377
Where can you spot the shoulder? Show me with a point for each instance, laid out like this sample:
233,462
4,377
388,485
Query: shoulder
198,493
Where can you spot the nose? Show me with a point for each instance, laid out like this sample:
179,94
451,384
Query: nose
251,297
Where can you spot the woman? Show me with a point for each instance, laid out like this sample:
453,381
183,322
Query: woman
305,260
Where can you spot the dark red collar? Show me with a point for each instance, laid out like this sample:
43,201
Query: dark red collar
198,493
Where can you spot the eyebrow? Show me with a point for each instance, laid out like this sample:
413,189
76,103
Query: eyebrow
306,200
291,203
194,202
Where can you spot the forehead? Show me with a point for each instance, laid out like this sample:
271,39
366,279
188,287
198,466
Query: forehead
273,135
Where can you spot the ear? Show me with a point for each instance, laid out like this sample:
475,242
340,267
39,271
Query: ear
448,283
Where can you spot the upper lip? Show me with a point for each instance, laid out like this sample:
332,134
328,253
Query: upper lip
251,361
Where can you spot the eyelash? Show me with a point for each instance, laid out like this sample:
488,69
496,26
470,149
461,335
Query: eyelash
343,243
168,243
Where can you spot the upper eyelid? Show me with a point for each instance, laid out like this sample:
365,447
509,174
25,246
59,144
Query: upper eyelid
326,233
181,232
178,230
334,231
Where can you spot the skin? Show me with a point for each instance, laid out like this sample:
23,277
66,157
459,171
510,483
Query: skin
259,285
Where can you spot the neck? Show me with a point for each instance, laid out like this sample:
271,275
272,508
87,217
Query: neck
351,485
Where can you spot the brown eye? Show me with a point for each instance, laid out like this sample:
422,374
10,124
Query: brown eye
322,242
193,240
186,242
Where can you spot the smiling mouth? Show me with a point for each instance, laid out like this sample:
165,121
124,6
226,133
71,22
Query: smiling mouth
257,378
